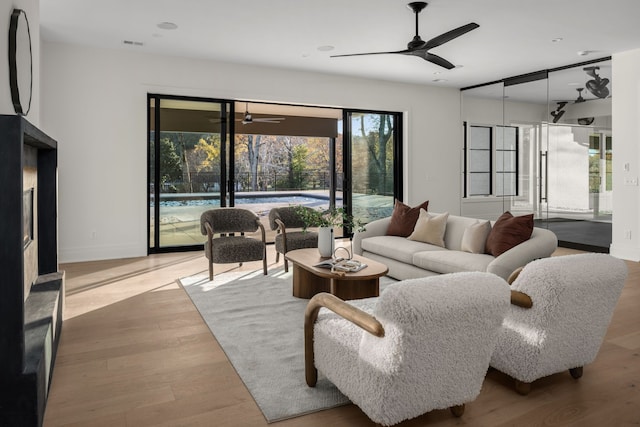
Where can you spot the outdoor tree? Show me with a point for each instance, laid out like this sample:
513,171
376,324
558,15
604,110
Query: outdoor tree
206,154
248,146
378,139
205,160
169,161
299,166
318,159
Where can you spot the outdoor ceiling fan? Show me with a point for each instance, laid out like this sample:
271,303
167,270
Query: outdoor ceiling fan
418,47
248,118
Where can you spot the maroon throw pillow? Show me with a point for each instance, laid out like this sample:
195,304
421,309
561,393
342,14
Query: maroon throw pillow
403,218
507,232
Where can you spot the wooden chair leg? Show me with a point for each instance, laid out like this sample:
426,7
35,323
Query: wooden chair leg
457,410
277,256
286,265
264,264
523,388
210,270
576,372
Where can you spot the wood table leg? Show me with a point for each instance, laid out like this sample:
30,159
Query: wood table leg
307,284
355,289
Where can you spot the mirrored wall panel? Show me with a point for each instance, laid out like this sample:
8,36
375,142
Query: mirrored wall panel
541,143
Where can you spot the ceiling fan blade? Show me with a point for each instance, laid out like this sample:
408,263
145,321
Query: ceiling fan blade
403,52
449,35
438,60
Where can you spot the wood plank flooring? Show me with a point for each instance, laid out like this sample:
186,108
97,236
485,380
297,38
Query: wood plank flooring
134,351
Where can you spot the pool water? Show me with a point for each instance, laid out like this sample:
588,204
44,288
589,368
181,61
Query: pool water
294,200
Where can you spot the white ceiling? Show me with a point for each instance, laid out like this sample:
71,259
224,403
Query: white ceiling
514,36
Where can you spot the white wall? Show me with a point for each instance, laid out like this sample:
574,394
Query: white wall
94,104
32,10
626,158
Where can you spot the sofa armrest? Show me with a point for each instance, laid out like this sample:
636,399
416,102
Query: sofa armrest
541,245
374,228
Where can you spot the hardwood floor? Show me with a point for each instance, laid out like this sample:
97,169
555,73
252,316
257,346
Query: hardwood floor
134,351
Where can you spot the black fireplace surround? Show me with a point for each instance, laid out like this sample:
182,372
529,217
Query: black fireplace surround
31,287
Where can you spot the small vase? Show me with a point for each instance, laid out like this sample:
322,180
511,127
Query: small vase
325,241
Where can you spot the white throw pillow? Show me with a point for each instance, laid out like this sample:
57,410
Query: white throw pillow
475,237
430,228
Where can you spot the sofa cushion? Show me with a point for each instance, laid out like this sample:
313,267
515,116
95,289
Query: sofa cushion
430,228
507,232
475,236
403,218
395,247
446,261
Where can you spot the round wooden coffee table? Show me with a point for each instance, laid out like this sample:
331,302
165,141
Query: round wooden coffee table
309,280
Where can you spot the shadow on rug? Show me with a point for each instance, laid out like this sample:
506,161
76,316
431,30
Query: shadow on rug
259,325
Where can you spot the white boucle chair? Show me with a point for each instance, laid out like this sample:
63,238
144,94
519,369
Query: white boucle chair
571,300
424,344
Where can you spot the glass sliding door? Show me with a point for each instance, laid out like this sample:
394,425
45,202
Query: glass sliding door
372,163
208,153
187,172
285,155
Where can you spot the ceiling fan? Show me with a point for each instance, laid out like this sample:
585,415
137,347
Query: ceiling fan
597,85
420,48
559,111
248,118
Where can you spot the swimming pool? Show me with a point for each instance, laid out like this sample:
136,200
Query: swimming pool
244,200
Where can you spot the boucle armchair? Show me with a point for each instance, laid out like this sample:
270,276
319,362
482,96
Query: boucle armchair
424,344
571,300
229,247
287,221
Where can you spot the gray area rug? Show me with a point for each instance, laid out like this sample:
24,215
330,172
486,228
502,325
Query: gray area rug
259,325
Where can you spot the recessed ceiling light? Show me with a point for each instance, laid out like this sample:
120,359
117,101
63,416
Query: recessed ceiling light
325,48
167,26
583,52
440,80
556,40
132,43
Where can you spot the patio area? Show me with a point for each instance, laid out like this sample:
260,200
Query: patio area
180,213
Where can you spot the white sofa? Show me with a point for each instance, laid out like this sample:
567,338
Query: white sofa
408,259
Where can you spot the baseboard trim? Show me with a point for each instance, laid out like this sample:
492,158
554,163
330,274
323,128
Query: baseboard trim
96,253
625,252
